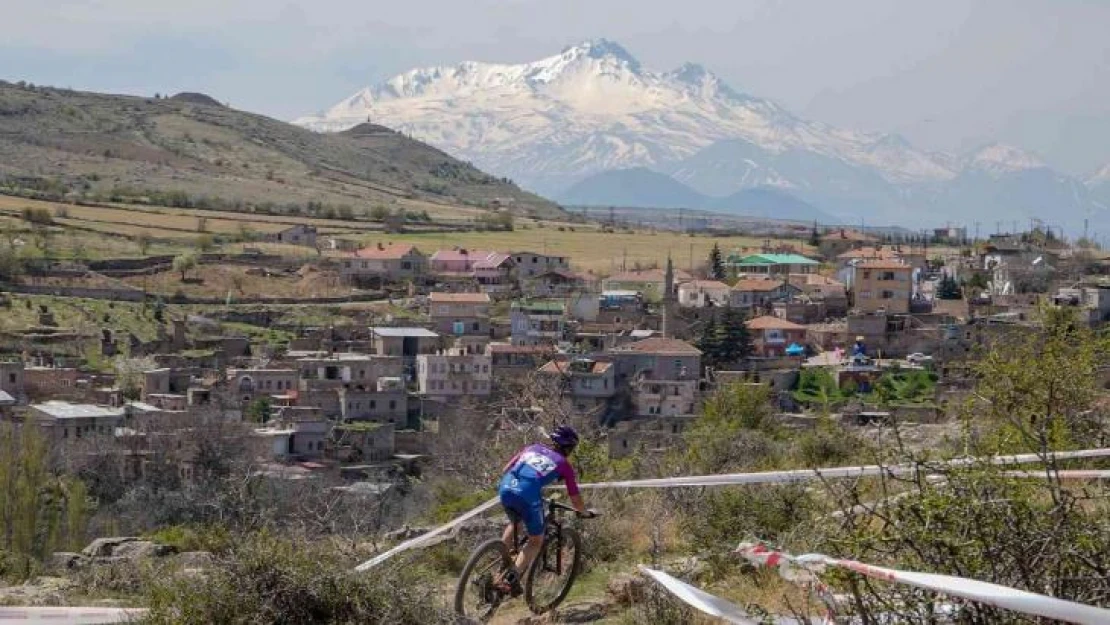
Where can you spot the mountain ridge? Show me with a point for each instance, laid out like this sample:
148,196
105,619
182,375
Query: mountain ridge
594,107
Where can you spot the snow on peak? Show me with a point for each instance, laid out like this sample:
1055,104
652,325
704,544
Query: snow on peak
602,48
999,158
1100,176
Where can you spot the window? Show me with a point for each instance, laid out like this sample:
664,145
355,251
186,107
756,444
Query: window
867,275
11,378
889,276
406,265
393,404
373,404
865,295
474,327
888,295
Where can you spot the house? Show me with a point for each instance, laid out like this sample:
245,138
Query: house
300,234
591,383
703,293
460,314
494,274
11,378
537,322
757,294
818,288
63,422
767,265
882,285
649,283
460,261
836,242
391,262
662,375
347,370
408,343
554,283
387,403
508,359
530,264
647,435
249,383
771,335
453,373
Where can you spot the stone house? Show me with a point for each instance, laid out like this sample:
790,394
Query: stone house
63,422
383,405
347,370
391,262
509,359
882,285
554,283
248,384
703,293
460,314
11,379
818,288
591,383
299,234
537,322
771,335
662,375
647,435
453,373
757,294
530,264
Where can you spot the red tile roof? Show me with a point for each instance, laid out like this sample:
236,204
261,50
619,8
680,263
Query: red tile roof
562,367
768,322
387,251
757,285
660,345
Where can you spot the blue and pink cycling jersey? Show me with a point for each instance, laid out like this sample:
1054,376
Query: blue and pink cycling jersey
527,473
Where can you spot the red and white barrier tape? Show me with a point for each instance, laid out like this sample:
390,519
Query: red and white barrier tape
970,589
71,616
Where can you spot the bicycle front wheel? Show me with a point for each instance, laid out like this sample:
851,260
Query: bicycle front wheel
476,597
552,573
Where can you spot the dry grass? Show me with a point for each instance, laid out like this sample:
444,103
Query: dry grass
222,280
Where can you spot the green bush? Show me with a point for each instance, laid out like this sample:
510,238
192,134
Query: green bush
265,579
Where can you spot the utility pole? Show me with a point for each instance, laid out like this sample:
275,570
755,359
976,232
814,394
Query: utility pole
977,231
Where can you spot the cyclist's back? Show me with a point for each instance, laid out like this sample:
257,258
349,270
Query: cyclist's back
534,467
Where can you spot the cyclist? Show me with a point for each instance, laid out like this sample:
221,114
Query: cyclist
531,469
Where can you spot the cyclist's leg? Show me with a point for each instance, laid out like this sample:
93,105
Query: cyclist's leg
511,503
533,523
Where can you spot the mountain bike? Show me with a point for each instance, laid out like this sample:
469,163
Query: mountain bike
547,582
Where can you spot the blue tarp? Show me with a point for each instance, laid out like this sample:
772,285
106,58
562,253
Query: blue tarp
795,350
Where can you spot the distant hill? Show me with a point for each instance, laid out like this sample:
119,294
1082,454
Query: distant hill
770,203
189,144
643,188
639,187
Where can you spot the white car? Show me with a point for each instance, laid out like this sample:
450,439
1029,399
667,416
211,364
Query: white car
918,358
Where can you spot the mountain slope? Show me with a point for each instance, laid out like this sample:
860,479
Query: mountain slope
97,143
1099,186
770,203
594,108
638,187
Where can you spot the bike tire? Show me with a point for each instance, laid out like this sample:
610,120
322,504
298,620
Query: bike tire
569,537
481,552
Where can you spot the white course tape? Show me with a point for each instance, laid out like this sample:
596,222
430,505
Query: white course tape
424,539
70,616
730,479
799,475
701,600
970,589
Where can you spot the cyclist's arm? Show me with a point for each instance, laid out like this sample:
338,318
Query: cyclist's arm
567,473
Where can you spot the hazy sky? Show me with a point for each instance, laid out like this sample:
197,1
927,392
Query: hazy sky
948,74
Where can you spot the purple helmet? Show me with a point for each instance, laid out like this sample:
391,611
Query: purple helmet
564,436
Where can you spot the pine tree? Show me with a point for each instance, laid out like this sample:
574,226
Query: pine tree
815,236
948,288
709,342
735,341
716,265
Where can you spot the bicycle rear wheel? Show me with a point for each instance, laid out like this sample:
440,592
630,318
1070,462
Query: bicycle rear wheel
475,596
553,572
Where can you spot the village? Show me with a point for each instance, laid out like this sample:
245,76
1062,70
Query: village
856,329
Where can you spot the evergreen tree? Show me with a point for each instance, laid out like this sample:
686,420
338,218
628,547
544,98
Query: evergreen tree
709,342
948,288
815,236
716,264
735,341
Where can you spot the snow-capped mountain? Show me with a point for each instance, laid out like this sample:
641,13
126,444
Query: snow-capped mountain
594,108
1099,184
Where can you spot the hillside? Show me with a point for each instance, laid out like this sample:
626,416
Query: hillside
103,145
640,187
